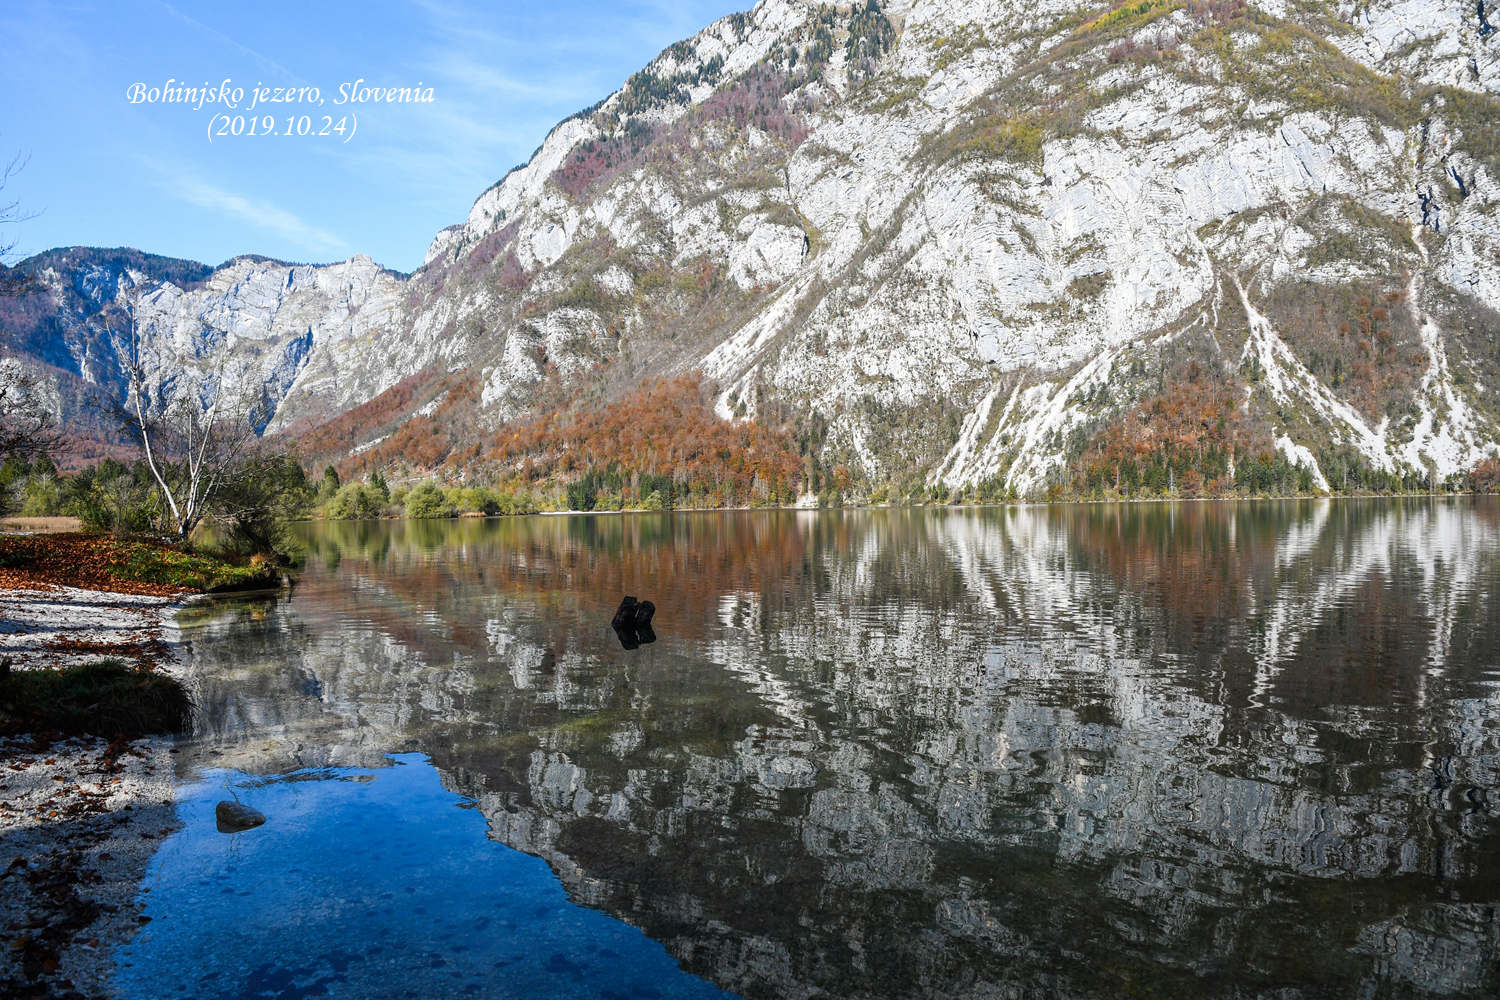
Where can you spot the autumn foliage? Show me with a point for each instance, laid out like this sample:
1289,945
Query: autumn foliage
1486,476
344,432
756,99
663,439
99,562
1361,341
1183,440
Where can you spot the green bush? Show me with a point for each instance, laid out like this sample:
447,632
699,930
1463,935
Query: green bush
482,500
14,469
110,498
329,485
41,497
427,500
354,502
517,503
474,500
269,491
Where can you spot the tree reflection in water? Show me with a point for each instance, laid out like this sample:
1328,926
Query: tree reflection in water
1202,749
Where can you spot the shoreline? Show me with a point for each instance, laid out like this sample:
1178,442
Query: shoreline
80,817
1300,498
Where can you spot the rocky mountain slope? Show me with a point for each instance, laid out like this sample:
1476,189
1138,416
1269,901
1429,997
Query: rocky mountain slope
991,248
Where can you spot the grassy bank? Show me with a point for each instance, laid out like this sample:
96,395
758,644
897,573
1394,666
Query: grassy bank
48,696
108,699
132,566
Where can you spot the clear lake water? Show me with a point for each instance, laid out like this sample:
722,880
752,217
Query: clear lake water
1161,750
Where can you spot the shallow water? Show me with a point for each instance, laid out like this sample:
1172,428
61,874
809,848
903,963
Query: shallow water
1164,750
372,883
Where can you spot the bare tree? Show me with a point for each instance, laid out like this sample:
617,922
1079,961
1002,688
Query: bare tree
196,444
12,282
25,420
26,425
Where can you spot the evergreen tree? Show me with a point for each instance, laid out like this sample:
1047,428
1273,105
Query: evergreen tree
330,484
13,468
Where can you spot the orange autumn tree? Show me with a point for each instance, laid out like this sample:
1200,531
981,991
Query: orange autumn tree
1183,441
660,444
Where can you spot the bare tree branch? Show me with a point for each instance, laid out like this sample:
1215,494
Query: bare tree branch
25,421
26,425
195,453
13,282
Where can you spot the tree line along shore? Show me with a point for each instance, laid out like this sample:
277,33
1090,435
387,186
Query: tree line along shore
123,500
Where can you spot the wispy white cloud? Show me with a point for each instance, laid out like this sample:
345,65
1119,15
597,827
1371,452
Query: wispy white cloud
264,62
259,213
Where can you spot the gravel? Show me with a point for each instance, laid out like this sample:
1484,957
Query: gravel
80,819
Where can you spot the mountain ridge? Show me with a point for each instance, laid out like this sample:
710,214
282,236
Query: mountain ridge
1001,250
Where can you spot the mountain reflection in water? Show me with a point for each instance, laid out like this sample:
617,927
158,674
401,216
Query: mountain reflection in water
1205,749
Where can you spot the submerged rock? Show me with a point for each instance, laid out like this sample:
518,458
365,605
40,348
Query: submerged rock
632,623
633,614
635,636
234,817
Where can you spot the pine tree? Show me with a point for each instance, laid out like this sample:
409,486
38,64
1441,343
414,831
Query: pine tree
330,484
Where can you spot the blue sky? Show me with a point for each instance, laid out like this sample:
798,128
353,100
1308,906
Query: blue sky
106,172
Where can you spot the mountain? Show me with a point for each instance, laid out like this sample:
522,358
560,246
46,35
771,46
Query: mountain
982,249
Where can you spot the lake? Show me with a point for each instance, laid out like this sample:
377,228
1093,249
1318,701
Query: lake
1170,750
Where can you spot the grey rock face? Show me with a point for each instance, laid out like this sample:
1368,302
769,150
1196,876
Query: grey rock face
965,236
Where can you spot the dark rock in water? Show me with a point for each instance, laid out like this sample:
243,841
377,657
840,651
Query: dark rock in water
633,613
624,614
234,817
636,636
632,623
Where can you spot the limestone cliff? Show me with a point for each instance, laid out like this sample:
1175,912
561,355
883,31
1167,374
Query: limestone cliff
992,245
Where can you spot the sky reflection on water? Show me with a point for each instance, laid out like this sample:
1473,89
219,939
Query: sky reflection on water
1202,749
372,883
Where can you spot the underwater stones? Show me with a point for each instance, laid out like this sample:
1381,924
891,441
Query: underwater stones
236,817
